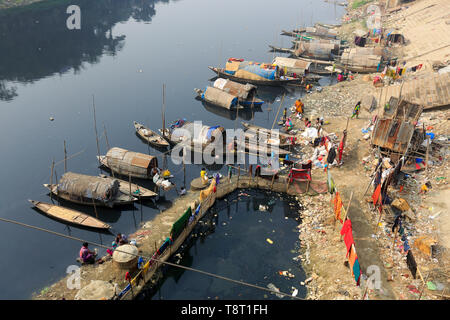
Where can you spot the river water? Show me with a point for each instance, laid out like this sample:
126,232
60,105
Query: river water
122,55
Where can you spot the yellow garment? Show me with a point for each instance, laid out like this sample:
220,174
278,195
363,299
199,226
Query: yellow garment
424,188
204,176
166,173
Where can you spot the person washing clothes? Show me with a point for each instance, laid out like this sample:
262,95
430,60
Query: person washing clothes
289,125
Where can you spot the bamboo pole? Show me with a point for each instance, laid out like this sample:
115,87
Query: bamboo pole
424,283
95,128
51,178
107,145
279,108
129,181
95,208
163,110
65,157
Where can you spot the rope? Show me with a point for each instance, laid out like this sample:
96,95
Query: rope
157,260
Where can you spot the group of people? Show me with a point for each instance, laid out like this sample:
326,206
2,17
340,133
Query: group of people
87,256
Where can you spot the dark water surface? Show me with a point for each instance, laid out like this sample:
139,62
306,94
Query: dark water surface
232,241
123,54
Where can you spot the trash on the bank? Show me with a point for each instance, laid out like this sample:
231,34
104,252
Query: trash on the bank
286,274
431,286
271,286
269,241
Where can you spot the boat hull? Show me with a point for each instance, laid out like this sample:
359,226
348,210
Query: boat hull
271,83
70,216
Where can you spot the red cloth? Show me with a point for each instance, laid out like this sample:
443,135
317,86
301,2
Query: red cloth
346,231
376,195
341,148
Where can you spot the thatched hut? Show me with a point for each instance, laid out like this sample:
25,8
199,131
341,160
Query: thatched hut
125,162
82,188
291,66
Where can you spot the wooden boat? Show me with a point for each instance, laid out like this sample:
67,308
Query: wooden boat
150,136
255,128
190,134
277,82
69,215
136,190
251,135
256,102
260,149
90,190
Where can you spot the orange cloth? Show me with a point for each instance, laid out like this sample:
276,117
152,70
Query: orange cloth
299,106
337,206
352,257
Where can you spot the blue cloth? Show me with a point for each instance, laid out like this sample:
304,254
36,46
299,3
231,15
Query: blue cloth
256,69
210,130
356,270
127,288
197,210
140,262
164,245
431,135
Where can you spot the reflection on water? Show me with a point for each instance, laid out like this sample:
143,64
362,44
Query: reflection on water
35,44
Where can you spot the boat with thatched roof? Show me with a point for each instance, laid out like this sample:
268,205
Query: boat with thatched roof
90,190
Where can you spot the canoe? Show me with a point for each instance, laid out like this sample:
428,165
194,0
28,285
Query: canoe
136,190
120,199
150,136
255,128
69,215
277,82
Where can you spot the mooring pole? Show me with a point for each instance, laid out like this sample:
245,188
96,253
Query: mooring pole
65,157
95,128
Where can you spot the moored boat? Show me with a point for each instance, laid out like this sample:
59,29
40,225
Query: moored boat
90,190
71,216
129,163
150,136
259,81
136,190
271,132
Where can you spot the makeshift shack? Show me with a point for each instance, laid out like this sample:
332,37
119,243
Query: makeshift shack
292,66
316,50
361,59
219,97
242,91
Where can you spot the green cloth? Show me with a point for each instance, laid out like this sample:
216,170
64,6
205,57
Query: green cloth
330,183
180,224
